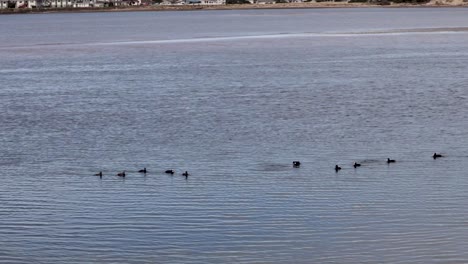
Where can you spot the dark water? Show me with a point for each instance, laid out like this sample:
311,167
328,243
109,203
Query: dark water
234,97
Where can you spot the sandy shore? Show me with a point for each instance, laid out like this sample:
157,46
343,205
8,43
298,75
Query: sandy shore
223,7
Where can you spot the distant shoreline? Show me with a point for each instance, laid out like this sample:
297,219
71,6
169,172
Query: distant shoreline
309,5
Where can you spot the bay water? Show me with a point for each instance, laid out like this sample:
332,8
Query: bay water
233,97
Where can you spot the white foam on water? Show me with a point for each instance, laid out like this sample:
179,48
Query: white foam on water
395,32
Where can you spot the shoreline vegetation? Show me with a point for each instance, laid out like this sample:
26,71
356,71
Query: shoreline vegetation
303,5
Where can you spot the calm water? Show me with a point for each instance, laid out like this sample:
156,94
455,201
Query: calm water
234,97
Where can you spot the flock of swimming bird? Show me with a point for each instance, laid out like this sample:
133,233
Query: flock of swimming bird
144,171
296,164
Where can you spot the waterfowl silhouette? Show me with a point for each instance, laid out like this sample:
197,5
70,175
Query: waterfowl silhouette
296,164
121,174
98,174
435,156
390,160
337,168
142,171
186,174
356,165
169,171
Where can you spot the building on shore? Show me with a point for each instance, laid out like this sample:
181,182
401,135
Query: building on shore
41,4
4,4
193,2
13,4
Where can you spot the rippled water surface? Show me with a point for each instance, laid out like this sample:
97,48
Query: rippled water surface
234,97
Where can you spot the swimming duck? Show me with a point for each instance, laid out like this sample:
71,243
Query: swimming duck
296,164
186,174
169,171
98,174
337,168
121,174
435,156
142,171
356,165
390,160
